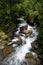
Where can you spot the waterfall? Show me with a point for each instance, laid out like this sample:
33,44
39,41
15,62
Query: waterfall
19,55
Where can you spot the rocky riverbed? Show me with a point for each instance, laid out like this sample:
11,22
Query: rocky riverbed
17,51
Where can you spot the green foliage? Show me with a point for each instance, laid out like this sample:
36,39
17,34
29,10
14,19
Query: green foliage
9,9
3,38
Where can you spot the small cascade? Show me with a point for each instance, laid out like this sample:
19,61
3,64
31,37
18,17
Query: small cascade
19,55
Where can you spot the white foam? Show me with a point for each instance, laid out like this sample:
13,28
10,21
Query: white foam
20,19
14,45
15,39
23,24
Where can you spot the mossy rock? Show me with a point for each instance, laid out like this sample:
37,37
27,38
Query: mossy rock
4,38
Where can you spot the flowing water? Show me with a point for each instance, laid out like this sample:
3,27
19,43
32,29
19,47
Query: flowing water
17,57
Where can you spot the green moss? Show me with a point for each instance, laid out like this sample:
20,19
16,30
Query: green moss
3,38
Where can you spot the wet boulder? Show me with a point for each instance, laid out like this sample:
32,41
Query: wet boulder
7,50
27,32
34,45
32,59
23,28
17,41
4,52
24,63
21,34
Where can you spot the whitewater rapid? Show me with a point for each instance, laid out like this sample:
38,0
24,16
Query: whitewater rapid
19,55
